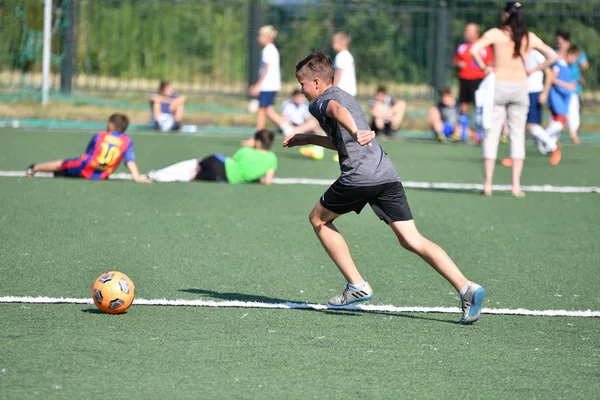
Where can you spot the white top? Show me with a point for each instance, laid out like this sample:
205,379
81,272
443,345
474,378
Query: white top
535,81
272,82
295,114
345,62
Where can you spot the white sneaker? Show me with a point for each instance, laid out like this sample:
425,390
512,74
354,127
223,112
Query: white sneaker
349,296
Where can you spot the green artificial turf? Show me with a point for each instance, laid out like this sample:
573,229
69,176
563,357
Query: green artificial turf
254,243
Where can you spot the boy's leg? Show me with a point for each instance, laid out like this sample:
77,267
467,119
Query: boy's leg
278,120
49,166
471,294
183,171
398,111
261,118
574,118
333,242
435,120
178,112
490,146
378,113
411,239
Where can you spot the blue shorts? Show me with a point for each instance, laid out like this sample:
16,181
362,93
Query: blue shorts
72,167
535,109
448,129
266,99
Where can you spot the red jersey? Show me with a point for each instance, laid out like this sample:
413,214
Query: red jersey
471,70
102,156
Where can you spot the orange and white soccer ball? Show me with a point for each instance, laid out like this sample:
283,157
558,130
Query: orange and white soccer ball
113,292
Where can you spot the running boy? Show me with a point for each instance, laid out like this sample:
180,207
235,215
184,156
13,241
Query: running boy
248,164
368,176
101,158
558,101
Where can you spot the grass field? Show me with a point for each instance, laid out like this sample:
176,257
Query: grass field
254,243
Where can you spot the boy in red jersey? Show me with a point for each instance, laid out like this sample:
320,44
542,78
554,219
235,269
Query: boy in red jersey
469,73
101,158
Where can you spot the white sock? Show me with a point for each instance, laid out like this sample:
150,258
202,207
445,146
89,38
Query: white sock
554,128
180,172
540,134
463,291
357,287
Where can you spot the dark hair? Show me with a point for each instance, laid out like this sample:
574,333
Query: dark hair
265,138
162,85
381,89
563,34
316,65
120,122
573,49
516,23
296,93
444,90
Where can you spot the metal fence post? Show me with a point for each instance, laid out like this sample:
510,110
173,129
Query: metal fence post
254,25
441,44
67,42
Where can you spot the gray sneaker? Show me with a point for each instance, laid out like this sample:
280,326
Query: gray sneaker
471,304
349,296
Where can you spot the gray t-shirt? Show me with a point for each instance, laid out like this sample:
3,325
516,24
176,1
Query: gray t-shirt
449,115
360,165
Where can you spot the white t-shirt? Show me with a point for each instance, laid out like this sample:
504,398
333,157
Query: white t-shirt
272,82
535,81
345,62
295,114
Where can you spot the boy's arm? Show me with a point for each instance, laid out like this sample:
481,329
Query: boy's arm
484,42
135,172
268,178
548,73
302,139
255,89
344,118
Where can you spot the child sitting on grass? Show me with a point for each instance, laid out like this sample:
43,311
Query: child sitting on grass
445,119
102,156
368,177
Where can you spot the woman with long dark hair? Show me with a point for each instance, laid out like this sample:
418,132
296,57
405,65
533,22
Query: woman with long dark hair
511,43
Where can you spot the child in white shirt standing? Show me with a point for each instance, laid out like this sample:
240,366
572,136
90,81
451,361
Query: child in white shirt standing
268,83
345,73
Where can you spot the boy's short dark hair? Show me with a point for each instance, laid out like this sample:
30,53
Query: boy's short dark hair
444,90
381,89
265,137
563,34
574,49
296,93
162,85
120,122
316,65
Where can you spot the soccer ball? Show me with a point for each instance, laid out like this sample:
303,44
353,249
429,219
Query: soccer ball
113,292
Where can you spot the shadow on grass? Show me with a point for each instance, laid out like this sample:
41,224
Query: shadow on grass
233,296
97,311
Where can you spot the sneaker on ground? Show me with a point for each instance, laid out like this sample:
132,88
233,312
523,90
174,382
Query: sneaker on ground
555,157
29,171
471,304
349,296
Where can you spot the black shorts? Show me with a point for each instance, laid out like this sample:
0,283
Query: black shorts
212,168
468,87
388,200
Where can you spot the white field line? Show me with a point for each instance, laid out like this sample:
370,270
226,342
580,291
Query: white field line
305,306
407,184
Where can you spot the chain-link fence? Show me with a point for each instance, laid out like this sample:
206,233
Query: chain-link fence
209,45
